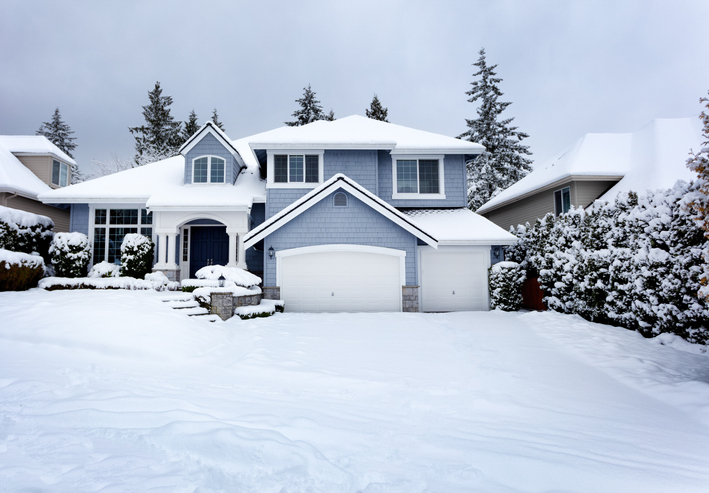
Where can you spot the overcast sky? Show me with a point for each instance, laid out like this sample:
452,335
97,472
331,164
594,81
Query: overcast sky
567,67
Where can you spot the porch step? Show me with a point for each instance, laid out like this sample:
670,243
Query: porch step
172,297
209,317
185,303
196,310
182,304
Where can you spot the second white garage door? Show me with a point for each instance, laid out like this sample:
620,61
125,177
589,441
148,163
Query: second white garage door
341,279
454,278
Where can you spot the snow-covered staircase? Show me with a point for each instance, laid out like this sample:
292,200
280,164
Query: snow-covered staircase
185,303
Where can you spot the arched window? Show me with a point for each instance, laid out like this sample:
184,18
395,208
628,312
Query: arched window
340,199
208,169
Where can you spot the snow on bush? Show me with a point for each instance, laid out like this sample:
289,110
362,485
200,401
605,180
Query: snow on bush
506,279
264,309
58,283
136,255
636,263
70,254
238,276
19,271
22,231
104,269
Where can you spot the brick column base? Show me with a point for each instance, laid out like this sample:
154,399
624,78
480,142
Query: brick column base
410,298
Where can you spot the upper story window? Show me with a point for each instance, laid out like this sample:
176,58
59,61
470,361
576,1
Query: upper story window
418,177
294,170
562,201
60,173
208,169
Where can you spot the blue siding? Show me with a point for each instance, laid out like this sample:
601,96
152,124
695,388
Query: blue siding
361,166
209,145
454,179
278,199
356,224
79,218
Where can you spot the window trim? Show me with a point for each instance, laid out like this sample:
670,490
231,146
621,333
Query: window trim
418,196
62,166
270,163
209,170
139,226
561,196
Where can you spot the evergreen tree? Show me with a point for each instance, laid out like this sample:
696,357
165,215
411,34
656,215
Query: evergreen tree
310,110
191,126
376,111
160,137
698,200
330,116
215,120
503,162
58,133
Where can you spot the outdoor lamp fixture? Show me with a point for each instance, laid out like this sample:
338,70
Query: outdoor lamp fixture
496,252
221,281
271,252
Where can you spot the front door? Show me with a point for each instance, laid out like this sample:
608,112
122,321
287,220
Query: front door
209,245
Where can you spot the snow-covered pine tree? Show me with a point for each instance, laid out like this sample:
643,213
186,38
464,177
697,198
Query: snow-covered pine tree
58,133
376,111
160,136
503,162
330,117
191,126
698,200
215,120
310,110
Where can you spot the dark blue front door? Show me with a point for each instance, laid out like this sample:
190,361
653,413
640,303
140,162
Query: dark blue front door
208,246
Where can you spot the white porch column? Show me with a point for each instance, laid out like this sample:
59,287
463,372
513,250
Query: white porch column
233,239
242,256
162,244
171,251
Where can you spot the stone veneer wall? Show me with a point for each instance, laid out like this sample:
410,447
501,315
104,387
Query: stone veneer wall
410,298
271,293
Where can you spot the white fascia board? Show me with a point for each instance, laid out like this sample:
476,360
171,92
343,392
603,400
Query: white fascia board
340,181
198,208
93,200
476,242
435,150
315,145
14,191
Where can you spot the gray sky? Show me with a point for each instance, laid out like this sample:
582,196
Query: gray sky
567,67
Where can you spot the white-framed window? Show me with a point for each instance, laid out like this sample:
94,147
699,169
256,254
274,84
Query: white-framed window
417,177
295,169
208,169
110,226
562,201
60,173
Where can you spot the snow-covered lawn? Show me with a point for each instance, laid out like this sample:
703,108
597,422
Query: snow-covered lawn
115,391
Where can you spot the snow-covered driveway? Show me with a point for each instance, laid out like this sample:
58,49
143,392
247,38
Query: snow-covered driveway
114,391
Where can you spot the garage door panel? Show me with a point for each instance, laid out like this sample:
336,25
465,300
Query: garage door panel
453,280
341,281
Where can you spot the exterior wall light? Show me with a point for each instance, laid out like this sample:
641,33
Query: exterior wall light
271,252
496,252
221,281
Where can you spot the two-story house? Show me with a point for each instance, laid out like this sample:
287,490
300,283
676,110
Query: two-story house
29,166
349,215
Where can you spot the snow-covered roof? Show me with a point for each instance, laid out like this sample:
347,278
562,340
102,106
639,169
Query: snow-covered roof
218,133
338,181
15,177
460,227
160,185
650,158
359,132
33,145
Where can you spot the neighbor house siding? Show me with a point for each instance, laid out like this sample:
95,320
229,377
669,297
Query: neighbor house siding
584,193
360,166
210,146
40,166
59,216
356,224
80,218
454,183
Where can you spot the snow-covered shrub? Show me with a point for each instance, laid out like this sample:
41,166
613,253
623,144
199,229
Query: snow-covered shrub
506,280
136,255
239,276
130,283
25,232
19,271
104,269
70,254
264,309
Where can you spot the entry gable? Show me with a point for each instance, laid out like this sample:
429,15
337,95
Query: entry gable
337,182
210,157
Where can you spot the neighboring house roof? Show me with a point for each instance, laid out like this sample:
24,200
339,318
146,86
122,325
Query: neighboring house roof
339,181
650,158
161,186
32,145
359,132
15,177
460,227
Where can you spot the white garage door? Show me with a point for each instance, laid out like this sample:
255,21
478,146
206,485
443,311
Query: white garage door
454,279
336,281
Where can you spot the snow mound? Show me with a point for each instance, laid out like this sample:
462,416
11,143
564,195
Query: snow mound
239,276
205,293
131,283
23,219
104,269
18,258
266,307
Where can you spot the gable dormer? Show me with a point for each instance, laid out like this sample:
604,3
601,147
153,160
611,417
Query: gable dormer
210,157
